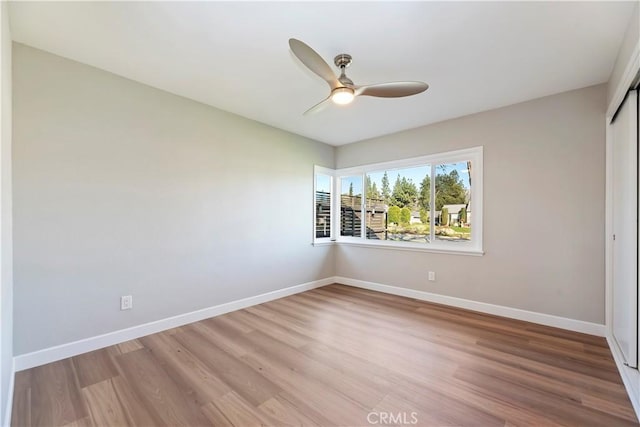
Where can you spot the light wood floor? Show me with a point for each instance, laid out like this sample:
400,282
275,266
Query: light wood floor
330,357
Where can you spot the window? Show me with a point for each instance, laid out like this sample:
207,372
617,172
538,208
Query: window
453,201
398,204
351,206
323,186
431,203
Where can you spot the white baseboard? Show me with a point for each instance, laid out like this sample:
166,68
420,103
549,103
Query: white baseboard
52,354
7,414
630,376
498,310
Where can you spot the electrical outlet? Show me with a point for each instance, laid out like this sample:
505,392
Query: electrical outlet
432,276
126,302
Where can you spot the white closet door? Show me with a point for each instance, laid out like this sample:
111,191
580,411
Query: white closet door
625,229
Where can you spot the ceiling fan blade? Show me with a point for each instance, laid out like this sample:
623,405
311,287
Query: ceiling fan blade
318,107
392,90
314,62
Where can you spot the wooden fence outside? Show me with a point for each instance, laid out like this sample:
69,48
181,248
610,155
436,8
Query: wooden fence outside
351,216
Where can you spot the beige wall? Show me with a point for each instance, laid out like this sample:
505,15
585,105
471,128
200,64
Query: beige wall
123,189
627,50
544,181
6,248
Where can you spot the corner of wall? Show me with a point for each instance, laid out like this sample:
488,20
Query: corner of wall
6,246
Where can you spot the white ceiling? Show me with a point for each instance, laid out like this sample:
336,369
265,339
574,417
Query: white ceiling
235,56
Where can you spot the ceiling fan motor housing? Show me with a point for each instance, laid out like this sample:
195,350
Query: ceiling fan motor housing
342,61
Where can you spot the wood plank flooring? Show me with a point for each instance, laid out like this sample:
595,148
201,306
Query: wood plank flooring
335,356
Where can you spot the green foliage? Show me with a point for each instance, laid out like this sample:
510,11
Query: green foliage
449,189
417,229
462,215
425,193
424,216
405,215
444,216
386,190
404,193
394,215
351,189
372,190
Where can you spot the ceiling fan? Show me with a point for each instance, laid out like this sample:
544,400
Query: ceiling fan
343,91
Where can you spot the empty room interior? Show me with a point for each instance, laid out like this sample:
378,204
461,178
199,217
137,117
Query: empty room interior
319,213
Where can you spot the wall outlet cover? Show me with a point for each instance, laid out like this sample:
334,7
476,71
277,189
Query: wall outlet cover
126,302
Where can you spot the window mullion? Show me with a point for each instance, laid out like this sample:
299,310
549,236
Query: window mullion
363,209
432,205
336,208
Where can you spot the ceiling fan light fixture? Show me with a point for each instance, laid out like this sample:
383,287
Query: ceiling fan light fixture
342,95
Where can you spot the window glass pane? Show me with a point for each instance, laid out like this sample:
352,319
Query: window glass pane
350,206
376,207
397,204
323,206
453,202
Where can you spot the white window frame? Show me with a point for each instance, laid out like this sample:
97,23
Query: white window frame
337,190
473,247
320,170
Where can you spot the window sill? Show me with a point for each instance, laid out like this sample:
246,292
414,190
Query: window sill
323,243
433,248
